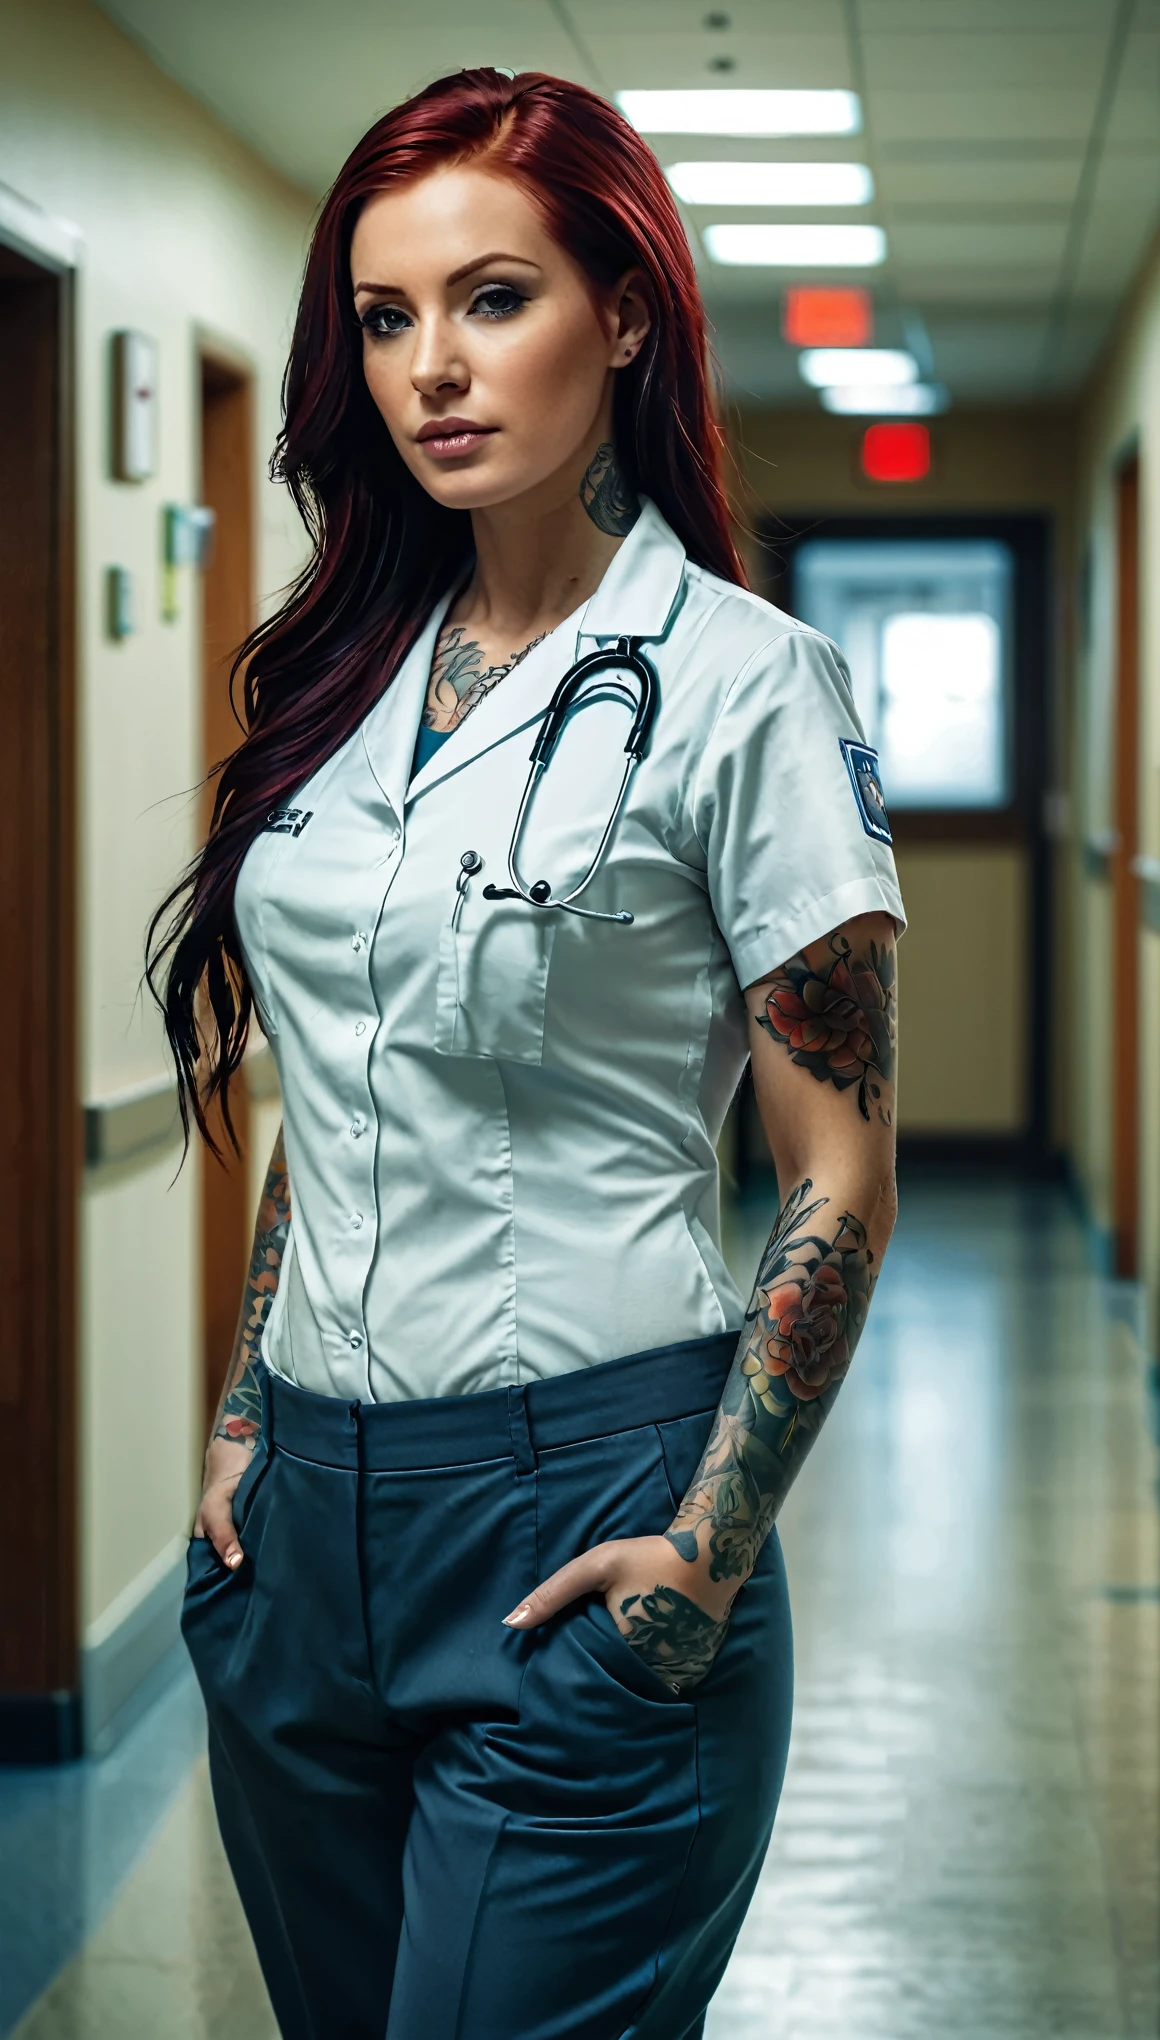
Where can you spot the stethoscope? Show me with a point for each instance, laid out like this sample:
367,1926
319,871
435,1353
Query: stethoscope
644,700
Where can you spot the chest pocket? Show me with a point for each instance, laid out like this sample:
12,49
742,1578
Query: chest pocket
493,982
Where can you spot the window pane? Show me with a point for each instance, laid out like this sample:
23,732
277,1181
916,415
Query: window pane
941,735
924,625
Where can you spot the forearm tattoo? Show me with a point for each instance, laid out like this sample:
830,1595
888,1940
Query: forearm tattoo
460,680
804,1320
838,1020
604,491
240,1415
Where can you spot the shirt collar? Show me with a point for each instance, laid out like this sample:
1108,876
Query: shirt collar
637,596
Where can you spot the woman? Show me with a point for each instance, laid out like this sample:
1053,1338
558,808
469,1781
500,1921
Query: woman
484,1592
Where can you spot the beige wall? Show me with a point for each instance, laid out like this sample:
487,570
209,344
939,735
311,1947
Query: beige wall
1121,409
183,233
964,966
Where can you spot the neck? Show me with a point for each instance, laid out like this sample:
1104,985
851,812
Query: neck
539,557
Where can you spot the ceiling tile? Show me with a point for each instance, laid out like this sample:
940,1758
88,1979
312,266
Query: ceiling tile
985,17
631,57
996,180
973,245
1039,63
1007,113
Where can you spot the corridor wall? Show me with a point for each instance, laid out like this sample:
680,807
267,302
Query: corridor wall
1119,418
186,236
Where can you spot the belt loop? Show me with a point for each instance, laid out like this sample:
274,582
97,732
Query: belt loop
521,1436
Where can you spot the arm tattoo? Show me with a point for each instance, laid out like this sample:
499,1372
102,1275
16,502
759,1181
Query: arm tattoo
838,1020
459,679
804,1320
605,494
240,1415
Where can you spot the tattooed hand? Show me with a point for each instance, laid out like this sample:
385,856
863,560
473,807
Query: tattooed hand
649,1592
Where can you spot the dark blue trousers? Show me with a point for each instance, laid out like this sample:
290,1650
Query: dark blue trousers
442,1829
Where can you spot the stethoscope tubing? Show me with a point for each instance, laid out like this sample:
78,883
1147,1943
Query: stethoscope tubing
627,654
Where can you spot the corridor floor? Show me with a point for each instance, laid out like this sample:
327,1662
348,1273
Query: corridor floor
968,1843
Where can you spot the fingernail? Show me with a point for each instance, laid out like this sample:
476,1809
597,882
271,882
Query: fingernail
233,1559
519,1614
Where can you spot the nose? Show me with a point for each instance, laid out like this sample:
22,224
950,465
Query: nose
436,363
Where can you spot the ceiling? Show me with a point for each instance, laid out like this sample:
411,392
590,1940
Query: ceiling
1015,144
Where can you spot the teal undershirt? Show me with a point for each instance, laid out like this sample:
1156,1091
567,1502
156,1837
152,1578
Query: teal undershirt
426,744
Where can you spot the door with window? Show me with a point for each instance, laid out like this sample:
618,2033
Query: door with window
943,624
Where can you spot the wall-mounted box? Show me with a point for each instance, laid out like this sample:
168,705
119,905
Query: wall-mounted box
120,615
134,435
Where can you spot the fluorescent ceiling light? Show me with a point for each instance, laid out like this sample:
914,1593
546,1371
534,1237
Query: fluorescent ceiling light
866,366
771,183
733,112
905,400
796,247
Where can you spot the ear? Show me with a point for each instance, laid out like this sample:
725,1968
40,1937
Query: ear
632,305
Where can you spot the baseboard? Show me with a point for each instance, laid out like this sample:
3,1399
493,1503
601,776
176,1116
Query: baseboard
133,1650
983,1154
40,1728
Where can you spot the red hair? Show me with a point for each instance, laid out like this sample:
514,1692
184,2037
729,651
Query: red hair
383,551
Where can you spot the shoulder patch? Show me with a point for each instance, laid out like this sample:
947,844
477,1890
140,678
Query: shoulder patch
862,766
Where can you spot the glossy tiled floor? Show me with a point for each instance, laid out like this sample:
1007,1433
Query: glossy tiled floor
968,1843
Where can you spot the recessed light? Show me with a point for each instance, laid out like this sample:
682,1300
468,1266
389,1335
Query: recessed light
904,400
771,183
796,247
736,111
870,367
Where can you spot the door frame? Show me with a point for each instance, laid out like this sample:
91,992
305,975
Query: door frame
40,1709
1030,537
1125,883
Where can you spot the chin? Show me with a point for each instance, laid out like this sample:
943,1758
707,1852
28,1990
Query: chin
472,487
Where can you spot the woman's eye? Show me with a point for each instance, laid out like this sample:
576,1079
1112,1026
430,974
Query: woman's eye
383,321
497,301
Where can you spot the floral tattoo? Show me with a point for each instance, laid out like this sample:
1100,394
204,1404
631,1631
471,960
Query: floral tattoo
460,680
240,1416
805,1317
604,491
838,1021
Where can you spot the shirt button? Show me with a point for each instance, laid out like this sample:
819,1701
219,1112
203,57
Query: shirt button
358,942
357,1125
356,1340
356,1219
394,835
360,1026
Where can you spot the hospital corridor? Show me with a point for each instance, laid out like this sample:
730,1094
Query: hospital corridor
927,237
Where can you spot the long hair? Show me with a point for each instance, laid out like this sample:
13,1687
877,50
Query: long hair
382,550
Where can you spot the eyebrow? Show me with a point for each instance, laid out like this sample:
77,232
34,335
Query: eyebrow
457,275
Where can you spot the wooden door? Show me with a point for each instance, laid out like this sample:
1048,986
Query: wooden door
40,1120
1125,884
227,616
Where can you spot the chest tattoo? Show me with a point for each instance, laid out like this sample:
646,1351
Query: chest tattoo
460,680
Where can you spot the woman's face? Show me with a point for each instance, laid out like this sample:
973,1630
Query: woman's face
484,349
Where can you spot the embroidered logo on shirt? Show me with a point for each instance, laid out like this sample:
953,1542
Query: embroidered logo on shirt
862,765
286,821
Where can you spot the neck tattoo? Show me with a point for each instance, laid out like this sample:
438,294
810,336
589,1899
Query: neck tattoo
460,680
606,496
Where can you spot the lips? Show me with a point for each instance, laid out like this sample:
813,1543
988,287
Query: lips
447,437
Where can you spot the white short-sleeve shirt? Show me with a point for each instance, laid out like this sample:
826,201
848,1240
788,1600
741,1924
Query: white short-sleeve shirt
501,1127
